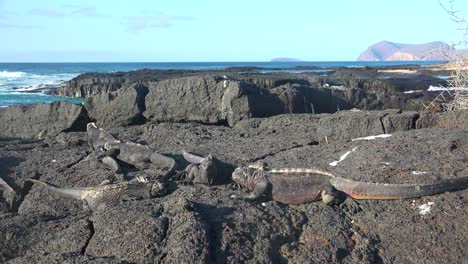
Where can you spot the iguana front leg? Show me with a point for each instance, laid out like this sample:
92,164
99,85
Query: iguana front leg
330,195
192,172
112,164
188,174
261,188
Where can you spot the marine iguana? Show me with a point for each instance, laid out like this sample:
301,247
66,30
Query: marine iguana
100,196
297,186
108,149
205,170
98,137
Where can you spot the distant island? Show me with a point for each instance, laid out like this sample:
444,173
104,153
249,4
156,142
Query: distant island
390,51
285,60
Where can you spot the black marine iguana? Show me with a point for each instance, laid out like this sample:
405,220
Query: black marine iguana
97,197
297,186
205,170
107,149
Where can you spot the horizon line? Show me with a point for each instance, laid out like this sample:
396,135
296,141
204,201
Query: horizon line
218,61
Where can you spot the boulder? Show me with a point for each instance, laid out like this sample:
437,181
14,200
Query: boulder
208,99
42,120
120,108
457,119
293,99
347,125
89,84
399,121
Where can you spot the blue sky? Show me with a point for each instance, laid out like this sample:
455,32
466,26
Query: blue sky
206,30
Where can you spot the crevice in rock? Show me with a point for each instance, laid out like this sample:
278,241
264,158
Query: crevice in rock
270,154
219,123
214,242
214,217
79,125
22,193
415,120
382,124
82,157
140,105
91,229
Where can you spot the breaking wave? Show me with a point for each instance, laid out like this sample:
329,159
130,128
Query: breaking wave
9,74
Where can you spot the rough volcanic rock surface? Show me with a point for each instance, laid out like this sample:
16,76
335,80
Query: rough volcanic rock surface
120,108
204,99
208,99
209,224
128,98
42,120
89,84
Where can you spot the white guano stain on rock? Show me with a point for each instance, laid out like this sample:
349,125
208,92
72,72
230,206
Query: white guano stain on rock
372,137
426,208
343,157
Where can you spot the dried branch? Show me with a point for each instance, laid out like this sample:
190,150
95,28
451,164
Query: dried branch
458,80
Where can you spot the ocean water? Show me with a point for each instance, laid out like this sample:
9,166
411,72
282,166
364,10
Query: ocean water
20,83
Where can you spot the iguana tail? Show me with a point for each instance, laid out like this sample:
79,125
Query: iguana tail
72,193
383,191
163,161
5,185
192,158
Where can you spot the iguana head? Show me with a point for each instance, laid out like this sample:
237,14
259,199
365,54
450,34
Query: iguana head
207,170
90,126
248,176
207,167
158,189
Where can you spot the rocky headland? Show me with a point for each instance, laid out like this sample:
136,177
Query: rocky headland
312,119
391,51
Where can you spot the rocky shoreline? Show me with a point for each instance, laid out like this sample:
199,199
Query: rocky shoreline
285,119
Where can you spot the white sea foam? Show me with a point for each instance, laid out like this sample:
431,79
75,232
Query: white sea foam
8,74
46,85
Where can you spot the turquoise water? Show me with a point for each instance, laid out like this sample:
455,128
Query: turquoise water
20,82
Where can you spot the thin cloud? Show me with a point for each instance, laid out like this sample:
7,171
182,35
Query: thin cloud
9,25
136,24
4,23
46,12
86,11
90,11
